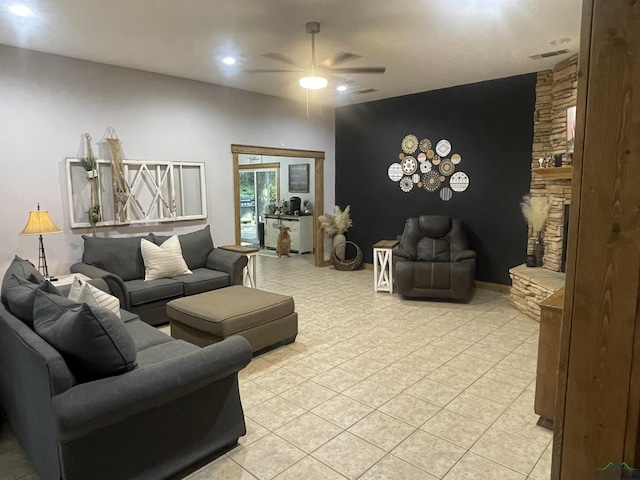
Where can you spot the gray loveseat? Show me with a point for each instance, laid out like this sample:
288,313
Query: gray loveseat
119,262
176,404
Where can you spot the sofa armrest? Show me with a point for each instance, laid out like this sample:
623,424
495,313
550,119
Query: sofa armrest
229,262
463,255
116,285
95,405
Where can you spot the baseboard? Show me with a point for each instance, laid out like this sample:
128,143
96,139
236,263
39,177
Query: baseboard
496,287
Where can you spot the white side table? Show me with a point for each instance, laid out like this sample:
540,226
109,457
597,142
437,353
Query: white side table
383,266
249,278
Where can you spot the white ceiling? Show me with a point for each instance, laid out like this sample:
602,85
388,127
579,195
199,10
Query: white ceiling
425,44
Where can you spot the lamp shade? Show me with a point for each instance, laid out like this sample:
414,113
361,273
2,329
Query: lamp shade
313,82
39,223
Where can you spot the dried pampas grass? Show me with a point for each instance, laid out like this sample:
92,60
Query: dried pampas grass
337,223
535,211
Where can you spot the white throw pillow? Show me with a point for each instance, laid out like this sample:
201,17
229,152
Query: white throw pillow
162,261
83,292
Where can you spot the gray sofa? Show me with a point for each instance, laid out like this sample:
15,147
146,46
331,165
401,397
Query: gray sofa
119,262
176,404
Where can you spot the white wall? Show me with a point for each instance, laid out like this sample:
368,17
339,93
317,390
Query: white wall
48,102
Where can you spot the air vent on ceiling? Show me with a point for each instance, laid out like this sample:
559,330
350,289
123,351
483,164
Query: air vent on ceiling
366,90
548,54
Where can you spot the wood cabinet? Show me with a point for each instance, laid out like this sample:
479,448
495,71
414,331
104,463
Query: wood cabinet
548,358
301,231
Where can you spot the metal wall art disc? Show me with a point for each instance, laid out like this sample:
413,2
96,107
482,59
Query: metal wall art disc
459,182
395,172
415,178
456,158
446,194
425,145
436,160
406,184
409,165
401,156
430,181
443,148
442,178
422,157
425,166
430,154
447,167
409,144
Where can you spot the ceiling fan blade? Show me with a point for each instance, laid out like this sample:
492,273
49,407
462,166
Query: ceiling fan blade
342,57
358,70
268,70
281,58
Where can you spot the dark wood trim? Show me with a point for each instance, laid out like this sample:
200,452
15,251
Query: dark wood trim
276,152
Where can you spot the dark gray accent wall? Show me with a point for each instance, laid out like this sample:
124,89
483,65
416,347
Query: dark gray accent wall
490,124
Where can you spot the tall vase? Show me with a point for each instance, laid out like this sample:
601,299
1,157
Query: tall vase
538,249
340,245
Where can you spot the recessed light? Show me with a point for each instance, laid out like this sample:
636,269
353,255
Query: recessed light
229,60
560,41
341,88
20,10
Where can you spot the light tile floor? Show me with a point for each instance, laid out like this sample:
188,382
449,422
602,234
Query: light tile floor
378,387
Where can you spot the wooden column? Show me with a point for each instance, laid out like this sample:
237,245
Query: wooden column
598,398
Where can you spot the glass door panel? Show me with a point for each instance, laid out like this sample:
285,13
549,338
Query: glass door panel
258,189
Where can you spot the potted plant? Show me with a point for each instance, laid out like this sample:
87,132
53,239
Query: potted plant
90,165
535,211
335,225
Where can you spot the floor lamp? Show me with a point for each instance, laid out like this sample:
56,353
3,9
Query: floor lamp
40,224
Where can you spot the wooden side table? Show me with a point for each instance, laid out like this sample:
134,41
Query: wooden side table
383,265
249,273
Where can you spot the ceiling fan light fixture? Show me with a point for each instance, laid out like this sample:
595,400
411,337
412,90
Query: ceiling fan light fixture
341,88
313,82
229,60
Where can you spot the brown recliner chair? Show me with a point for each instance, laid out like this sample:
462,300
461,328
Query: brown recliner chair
433,259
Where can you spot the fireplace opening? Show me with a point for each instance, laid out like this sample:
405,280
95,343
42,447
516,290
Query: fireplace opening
565,235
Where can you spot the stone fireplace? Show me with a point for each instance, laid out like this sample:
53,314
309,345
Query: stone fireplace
555,93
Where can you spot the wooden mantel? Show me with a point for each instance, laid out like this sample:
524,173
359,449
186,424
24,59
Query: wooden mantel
555,173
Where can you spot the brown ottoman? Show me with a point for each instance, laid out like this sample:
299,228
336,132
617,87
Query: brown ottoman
263,318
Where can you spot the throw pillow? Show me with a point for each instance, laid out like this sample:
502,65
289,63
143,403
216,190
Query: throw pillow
21,296
83,292
94,342
162,261
196,246
22,269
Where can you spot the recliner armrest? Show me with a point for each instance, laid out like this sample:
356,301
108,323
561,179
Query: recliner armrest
402,253
95,405
229,262
463,255
116,285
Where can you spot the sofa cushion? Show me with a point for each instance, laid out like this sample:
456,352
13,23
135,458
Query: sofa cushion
162,261
83,292
203,280
141,292
93,340
22,269
21,295
196,246
164,351
121,256
145,336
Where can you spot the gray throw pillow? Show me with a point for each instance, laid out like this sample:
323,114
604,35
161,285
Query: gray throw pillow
93,341
21,296
22,269
121,256
196,246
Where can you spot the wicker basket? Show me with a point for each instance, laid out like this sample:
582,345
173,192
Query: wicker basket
347,264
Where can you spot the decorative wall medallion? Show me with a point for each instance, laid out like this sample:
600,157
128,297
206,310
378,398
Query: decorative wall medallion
401,156
422,157
425,166
447,167
406,184
446,194
419,184
430,181
456,158
442,178
459,182
395,172
436,160
430,154
409,144
416,178
443,148
409,165
425,145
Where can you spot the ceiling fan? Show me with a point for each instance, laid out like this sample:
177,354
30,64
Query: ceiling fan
314,75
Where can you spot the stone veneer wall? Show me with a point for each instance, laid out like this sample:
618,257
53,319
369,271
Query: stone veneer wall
555,92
